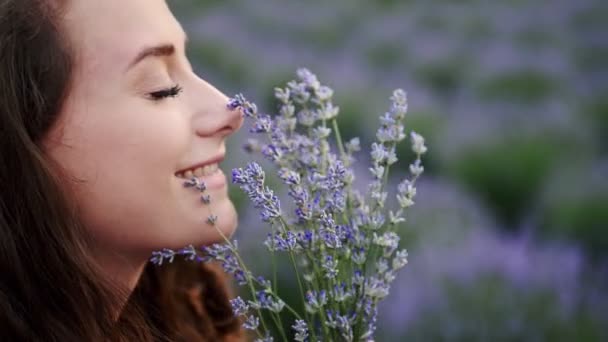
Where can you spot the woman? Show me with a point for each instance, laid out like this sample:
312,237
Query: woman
100,116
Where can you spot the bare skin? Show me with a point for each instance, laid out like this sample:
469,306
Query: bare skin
126,146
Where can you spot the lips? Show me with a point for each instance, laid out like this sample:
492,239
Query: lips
208,172
204,171
206,167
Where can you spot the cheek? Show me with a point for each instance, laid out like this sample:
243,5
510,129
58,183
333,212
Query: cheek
151,213
126,162
133,202
126,138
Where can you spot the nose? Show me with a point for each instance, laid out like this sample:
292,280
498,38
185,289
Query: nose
212,116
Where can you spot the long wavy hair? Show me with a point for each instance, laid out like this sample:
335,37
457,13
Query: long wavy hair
50,287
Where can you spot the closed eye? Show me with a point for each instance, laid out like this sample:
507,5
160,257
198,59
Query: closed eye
165,93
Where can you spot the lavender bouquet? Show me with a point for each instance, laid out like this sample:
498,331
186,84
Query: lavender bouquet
343,245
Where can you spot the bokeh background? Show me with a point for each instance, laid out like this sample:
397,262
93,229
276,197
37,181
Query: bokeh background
508,239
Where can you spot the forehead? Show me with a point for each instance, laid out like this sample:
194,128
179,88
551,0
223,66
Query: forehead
107,34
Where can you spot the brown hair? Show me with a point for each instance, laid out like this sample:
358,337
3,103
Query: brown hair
50,288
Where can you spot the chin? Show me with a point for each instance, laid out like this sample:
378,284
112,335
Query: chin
195,230
226,225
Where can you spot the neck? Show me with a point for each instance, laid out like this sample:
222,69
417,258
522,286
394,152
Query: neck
123,271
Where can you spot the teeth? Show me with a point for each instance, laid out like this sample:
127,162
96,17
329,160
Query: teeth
199,171
209,169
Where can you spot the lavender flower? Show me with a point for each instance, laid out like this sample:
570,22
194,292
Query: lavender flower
342,323
342,245
400,259
418,143
265,300
315,300
376,288
301,329
212,219
225,255
405,194
158,257
251,323
239,307
330,267
341,292
251,180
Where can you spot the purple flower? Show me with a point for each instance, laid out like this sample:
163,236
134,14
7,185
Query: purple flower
189,252
263,124
340,292
289,177
299,91
378,152
251,323
330,230
265,300
301,330
306,117
223,253
343,323
330,238
158,257
308,78
206,199
371,313
304,212
282,95
358,279
283,242
236,102
211,219
315,300
324,93
239,307
359,255
336,203
201,186
330,267
251,180
263,282
307,240
272,153
390,134
376,288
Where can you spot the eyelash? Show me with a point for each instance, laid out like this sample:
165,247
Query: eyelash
165,93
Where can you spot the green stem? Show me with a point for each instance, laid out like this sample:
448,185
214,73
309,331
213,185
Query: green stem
276,317
338,138
334,123
247,273
295,267
310,320
317,285
374,248
274,270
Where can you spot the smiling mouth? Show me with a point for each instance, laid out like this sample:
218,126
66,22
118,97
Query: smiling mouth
202,171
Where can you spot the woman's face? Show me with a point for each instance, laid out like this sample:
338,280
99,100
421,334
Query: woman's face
126,141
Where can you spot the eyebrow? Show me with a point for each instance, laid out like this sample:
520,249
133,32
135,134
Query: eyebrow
162,50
